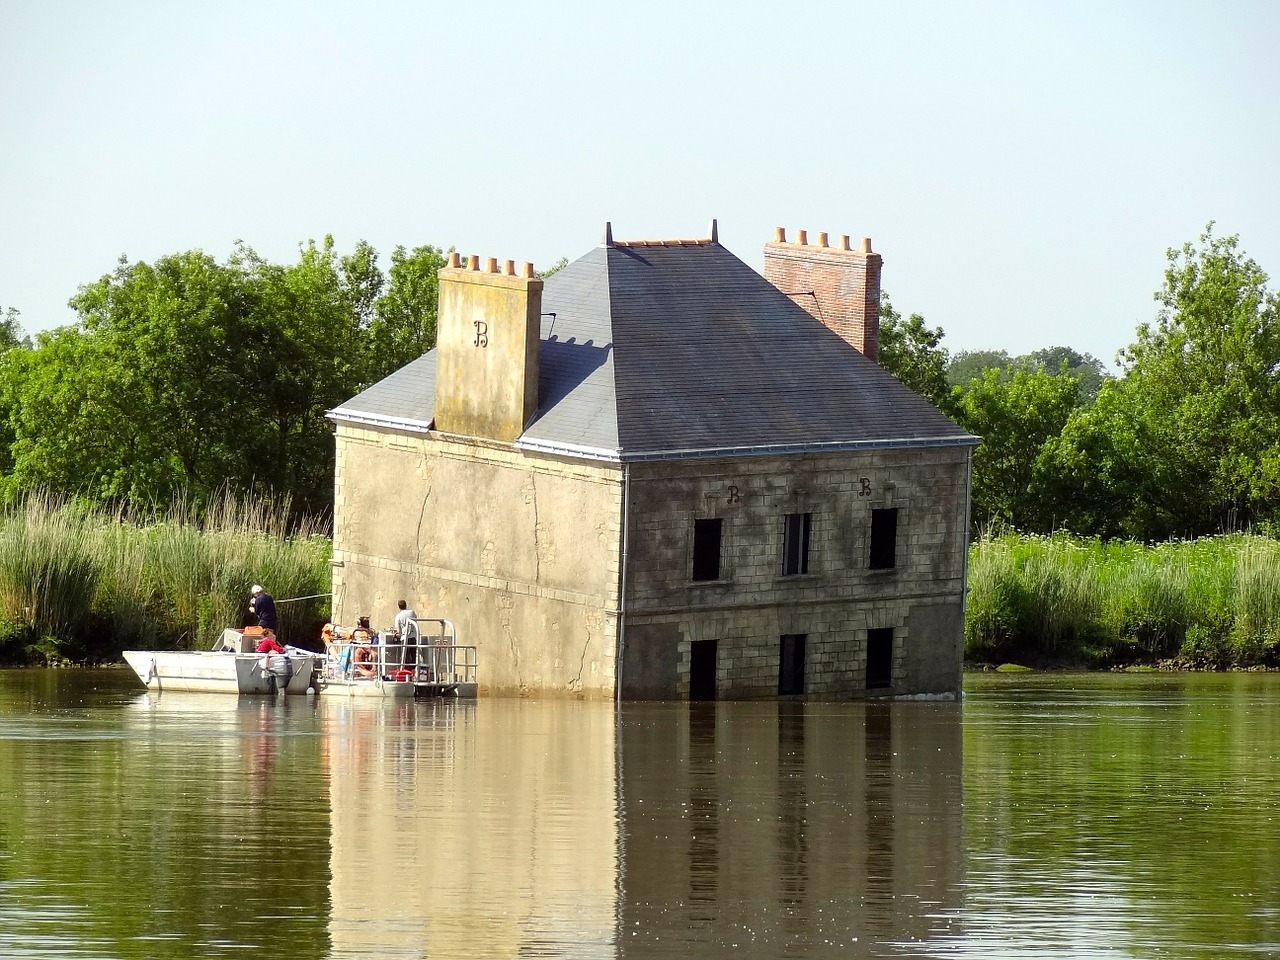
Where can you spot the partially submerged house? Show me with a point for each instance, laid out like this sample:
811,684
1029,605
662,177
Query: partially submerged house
660,474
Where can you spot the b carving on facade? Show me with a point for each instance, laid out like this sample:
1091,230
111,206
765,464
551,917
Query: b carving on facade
482,333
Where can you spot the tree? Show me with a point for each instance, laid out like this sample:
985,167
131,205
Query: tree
1088,370
972,364
1188,441
1017,416
404,325
11,334
913,353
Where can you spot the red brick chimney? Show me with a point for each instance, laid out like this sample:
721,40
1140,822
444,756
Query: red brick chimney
838,285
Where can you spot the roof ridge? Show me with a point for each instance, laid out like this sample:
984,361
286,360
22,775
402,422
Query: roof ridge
663,243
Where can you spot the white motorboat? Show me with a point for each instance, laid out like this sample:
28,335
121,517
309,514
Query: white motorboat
232,666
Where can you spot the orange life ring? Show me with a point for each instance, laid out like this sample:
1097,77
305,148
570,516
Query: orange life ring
364,662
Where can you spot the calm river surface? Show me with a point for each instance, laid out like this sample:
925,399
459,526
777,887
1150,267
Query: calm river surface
1044,816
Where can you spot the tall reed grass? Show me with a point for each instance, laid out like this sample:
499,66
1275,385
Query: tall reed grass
77,583
1212,602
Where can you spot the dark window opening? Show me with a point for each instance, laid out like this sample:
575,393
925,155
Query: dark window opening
791,664
795,544
702,670
884,539
880,658
706,549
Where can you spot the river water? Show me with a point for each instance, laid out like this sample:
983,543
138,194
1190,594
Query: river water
1043,816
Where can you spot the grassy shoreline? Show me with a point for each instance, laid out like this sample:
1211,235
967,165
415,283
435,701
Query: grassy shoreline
78,584
1211,603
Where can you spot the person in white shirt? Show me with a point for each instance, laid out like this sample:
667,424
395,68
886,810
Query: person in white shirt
407,632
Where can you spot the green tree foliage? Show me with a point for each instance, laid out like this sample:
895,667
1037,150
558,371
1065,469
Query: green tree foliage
1188,441
11,334
972,364
404,318
186,376
1017,416
913,353
1089,371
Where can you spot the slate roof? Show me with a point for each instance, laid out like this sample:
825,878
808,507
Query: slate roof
679,349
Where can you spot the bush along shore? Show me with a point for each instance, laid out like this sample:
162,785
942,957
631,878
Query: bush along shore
79,585
1211,603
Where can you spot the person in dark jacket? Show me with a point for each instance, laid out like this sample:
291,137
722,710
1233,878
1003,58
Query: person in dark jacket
263,607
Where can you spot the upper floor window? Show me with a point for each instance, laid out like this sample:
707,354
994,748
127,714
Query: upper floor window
884,539
706,549
795,544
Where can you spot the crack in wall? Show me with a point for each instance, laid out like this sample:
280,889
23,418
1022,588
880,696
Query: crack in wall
422,517
537,545
575,683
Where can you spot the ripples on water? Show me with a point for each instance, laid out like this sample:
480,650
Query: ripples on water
1090,816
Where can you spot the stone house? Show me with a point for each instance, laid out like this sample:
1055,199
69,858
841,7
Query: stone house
661,475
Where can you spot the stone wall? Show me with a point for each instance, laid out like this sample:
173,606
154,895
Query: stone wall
834,604
519,552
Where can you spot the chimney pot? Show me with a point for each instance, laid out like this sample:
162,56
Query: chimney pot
802,237
473,262
714,231
510,268
822,239
866,244
779,234
528,271
491,265
608,233
454,259
844,242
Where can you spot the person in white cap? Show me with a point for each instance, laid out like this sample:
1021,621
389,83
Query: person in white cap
263,607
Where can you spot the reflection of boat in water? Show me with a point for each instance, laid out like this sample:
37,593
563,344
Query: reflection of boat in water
232,666
362,663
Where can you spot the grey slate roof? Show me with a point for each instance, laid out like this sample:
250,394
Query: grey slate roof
670,350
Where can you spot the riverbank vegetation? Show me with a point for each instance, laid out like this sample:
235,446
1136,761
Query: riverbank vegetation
80,584
1209,603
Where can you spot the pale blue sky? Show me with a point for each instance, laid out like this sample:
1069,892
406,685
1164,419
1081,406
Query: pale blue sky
1021,166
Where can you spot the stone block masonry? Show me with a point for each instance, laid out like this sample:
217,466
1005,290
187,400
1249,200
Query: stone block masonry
837,600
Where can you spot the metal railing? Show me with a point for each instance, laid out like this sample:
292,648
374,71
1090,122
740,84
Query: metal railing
434,657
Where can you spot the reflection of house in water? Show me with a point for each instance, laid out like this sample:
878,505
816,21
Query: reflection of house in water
663,476
462,836
510,828
795,830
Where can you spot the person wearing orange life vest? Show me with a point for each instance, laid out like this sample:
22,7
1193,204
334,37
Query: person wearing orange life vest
364,659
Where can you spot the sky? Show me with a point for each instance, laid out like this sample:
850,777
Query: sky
1021,167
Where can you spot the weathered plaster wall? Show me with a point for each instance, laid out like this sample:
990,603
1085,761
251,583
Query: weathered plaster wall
521,553
834,604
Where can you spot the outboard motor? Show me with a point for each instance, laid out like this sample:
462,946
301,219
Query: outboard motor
278,671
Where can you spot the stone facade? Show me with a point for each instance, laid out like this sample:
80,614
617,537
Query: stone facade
524,553
753,603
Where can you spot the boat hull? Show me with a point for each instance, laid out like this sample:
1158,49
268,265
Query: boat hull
212,671
395,689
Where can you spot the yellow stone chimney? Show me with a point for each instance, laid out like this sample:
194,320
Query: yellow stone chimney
487,349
